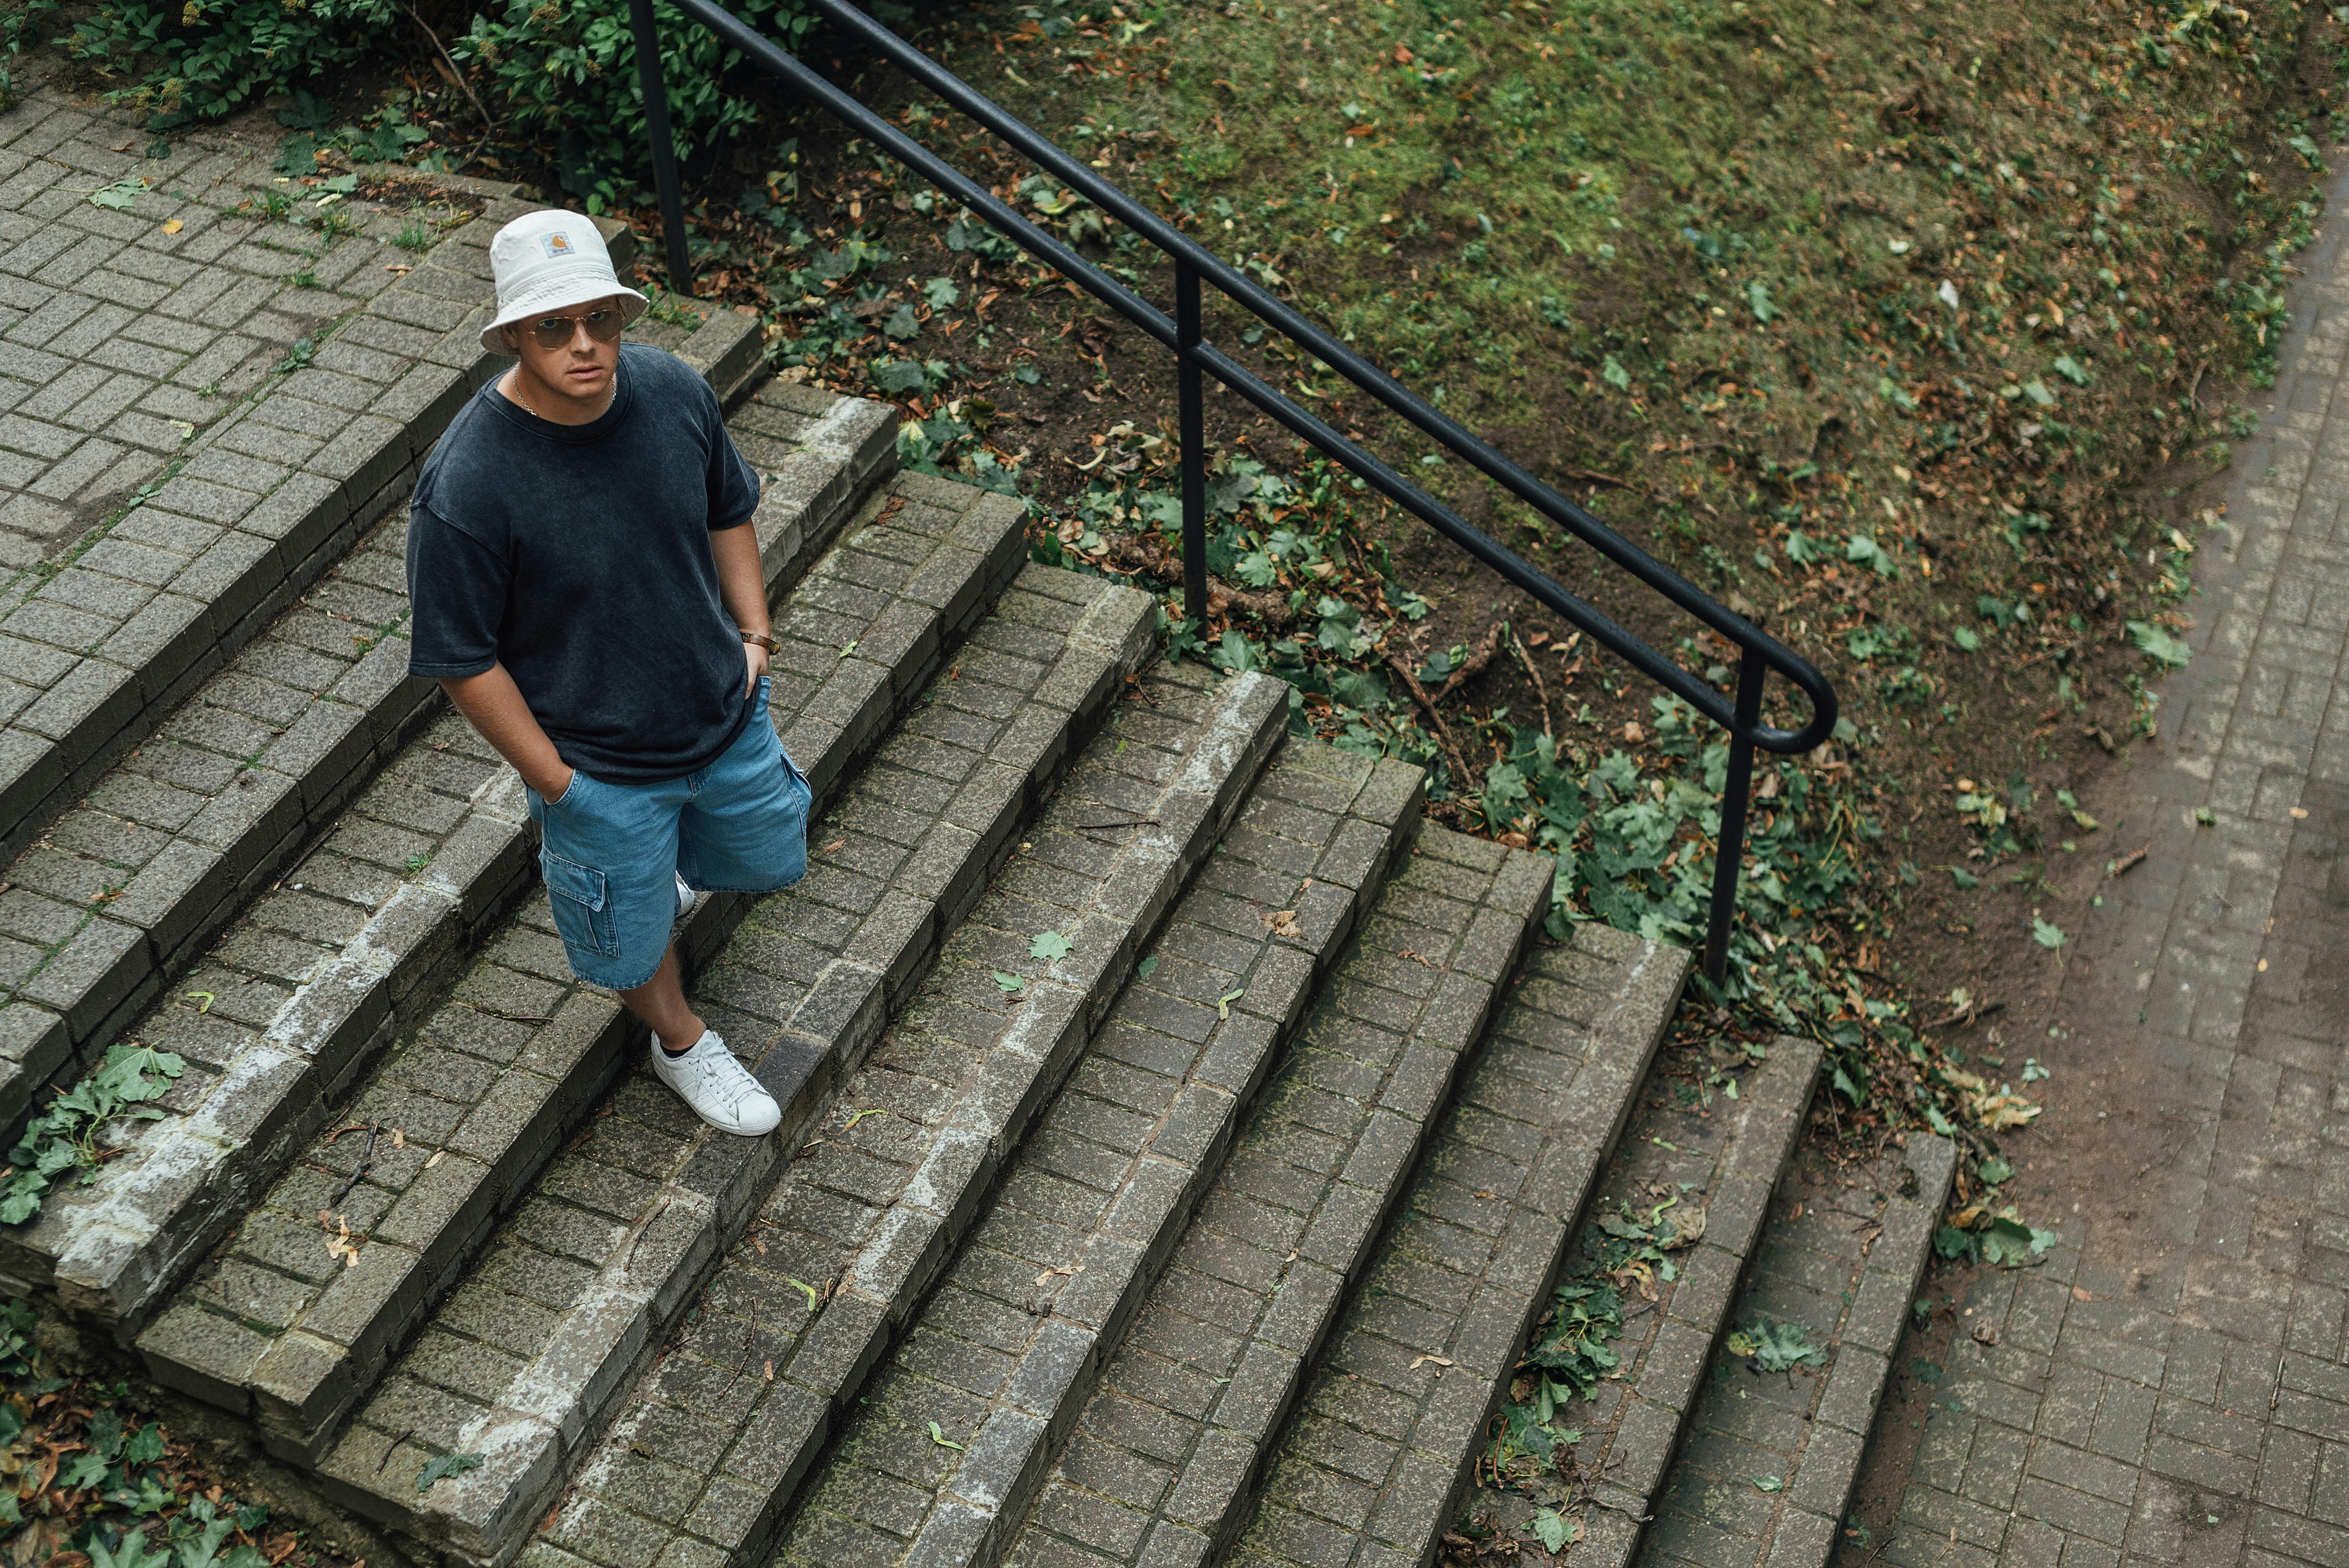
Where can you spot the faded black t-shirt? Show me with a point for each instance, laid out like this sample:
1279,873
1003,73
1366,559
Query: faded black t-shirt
578,556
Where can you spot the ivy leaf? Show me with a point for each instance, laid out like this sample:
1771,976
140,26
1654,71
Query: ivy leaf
1146,968
1768,1482
2011,1243
2038,392
441,1467
1965,637
2160,645
1964,878
1614,375
2070,370
901,376
1774,1346
1009,985
941,293
2048,933
1553,1530
119,196
901,323
1049,945
1863,547
1757,296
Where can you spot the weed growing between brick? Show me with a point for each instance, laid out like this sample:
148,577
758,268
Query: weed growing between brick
64,1138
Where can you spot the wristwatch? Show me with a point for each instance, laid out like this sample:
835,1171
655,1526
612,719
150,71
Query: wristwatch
761,638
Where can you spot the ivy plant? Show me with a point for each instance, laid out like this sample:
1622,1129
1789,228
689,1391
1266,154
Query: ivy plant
65,1138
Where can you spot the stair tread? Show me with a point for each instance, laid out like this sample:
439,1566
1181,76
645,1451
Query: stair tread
1001,1355
891,1197
1394,1405
493,1091
1168,1452
1716,1161
257,756
171,841
1846,1268
308,978
1731,1164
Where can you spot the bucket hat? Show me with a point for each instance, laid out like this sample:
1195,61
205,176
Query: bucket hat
545,261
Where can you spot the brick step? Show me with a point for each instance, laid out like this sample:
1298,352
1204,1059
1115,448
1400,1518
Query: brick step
1041,667
282,1016
1168,1459
528,1361
128,886
1372,1063
1845,1263
1396,1412
1380,1459
481,1089
1003,1352
293,461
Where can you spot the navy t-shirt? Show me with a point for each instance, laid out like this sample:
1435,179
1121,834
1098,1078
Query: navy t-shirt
578,556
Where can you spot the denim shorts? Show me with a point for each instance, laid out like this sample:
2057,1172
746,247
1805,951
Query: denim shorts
611,853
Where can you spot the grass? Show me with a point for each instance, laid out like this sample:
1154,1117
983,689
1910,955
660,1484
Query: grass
1903,329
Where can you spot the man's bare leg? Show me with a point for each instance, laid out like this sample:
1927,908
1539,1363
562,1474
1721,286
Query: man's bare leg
660,1003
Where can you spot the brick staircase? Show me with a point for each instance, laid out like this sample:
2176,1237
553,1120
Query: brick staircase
1217,1237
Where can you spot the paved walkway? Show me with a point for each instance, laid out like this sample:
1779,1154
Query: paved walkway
126,329
2172,1386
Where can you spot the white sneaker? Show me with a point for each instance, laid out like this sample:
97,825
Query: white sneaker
720,1090
683,897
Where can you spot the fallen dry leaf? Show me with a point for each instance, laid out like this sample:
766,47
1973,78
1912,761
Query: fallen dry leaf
1282,922
1439,1360
437,1153
834,845
398,1138
172,225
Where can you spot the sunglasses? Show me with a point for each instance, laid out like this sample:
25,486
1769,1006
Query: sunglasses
556,331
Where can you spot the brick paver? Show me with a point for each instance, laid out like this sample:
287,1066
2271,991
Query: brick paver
1769,1456
301,993
578,1290
2178,1389
205,394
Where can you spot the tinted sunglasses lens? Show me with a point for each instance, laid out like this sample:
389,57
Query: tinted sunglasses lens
554,331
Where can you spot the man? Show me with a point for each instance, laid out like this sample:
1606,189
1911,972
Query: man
582,573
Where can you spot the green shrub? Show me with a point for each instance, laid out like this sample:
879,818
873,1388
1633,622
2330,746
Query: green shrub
567,75
561,74
209,57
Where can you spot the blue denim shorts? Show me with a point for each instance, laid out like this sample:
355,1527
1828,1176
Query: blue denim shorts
611,853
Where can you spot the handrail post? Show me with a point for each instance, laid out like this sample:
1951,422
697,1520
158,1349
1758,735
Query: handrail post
655,89
1194,418
1730,855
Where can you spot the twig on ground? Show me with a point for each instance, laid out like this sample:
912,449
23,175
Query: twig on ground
1540,690
1402,666
455,75
367,1157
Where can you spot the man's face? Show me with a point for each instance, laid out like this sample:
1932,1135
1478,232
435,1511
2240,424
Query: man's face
579,365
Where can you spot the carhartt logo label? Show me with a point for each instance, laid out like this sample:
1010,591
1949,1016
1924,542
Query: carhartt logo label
558,246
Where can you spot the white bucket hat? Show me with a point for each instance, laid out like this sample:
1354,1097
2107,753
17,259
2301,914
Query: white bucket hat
545,261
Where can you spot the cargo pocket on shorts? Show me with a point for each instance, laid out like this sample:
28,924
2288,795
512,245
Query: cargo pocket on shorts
582,901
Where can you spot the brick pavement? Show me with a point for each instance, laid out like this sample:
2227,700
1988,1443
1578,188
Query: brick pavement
314,974
2174,1386
1770,1457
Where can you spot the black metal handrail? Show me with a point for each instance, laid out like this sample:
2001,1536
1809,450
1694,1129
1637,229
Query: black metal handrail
1759,653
